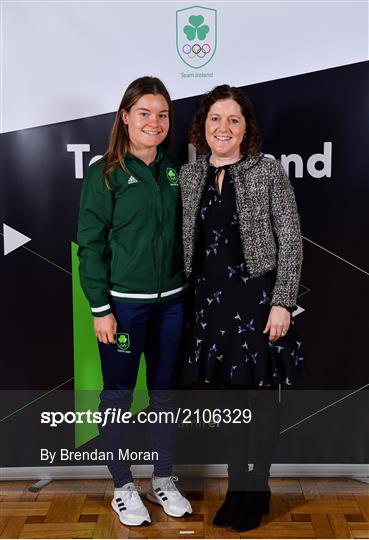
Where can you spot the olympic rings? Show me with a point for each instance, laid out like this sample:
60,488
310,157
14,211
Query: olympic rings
196,50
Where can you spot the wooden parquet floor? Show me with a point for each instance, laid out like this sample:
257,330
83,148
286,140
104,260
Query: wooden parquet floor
300,508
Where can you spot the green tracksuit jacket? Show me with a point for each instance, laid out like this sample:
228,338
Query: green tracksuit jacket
129,236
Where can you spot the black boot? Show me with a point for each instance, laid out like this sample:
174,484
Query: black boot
254,505
229,509
237,487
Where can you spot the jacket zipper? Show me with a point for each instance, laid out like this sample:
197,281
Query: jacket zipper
161,238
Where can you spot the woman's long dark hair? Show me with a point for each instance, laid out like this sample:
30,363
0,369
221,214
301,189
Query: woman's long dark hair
251,143
119,138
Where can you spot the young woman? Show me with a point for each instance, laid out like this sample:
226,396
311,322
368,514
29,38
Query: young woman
242,243
131,272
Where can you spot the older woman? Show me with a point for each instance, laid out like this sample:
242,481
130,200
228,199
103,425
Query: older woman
242,244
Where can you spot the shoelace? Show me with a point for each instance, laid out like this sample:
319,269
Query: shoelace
131,493
168,485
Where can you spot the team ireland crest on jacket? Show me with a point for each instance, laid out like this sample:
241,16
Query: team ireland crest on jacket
172,176
196,35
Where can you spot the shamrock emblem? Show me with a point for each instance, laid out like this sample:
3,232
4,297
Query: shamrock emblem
123,342
196,28
172,176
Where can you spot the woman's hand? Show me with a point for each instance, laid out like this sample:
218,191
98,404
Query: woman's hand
278,323
105,328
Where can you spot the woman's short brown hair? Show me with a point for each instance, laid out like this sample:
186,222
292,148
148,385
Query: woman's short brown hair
251,144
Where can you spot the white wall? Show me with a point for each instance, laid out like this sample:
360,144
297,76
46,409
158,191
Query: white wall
67,60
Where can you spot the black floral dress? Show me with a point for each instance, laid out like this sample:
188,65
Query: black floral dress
231,308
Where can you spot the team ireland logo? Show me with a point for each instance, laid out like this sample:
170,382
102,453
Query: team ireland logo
123,342
196,35
172,176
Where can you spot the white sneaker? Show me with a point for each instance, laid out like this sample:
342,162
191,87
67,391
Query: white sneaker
163,491
128,505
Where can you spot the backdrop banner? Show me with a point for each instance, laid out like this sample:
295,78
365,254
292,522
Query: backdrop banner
316,123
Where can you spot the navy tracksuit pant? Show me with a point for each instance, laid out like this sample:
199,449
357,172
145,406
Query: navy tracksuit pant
157,331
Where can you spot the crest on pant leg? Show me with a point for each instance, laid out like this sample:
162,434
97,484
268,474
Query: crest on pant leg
123,342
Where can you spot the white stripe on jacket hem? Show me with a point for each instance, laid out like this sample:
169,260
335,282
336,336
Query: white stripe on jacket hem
142,296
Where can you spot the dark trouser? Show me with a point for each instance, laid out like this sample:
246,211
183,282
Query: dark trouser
157,331
255,442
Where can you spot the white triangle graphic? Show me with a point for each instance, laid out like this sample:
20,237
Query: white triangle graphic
13,239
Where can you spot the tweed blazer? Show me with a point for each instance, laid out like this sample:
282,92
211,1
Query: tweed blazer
268,216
